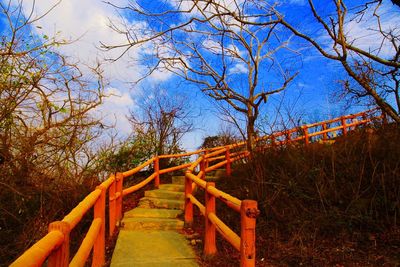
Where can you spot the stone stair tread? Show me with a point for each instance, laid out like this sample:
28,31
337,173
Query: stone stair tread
152,213
165,194
152,248
151,202
172,187
152,224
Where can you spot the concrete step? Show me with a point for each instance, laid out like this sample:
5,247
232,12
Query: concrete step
152,249
151,202
151,224
152,213
172,187
165,194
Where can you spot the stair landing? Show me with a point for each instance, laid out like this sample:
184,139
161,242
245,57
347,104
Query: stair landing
149,233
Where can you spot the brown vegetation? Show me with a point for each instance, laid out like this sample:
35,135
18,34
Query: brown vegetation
324,205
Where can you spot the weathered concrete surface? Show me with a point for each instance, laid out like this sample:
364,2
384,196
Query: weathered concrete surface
152,248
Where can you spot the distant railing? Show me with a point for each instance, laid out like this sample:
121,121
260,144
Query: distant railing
55,246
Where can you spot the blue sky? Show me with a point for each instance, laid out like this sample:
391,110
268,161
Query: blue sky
87,22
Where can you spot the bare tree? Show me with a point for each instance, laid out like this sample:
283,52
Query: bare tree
375,70
45,104
160,122
228,60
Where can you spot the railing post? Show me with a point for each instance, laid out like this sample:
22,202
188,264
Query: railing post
203,169
112,206
157,172
228,161
99,246
325,134
248,215
188,203
209,239
120,181
343,120
306,137
205,160
60,256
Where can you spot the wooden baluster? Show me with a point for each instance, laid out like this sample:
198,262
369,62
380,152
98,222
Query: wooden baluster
210,247
60,256
306,137
325,134
228,162
248,215
120,181
188,203
112,206
344,125
157,172
99,247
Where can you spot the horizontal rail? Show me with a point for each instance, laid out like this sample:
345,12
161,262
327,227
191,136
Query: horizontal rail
196,180
225,231
107,183
138,168
87,244
216,166
138,186
229,200
175,168
215,153
74,217
198,204
38,253
181,155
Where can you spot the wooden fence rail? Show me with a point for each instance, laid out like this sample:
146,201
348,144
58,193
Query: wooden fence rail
54,247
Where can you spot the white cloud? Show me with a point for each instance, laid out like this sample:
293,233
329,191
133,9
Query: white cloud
238,68
115,108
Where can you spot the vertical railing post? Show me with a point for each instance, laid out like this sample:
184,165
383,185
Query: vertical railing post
205,160
188,203
343,120
112,206
228,161
203,169
99,247
210,247
248,215
157,172
325,134
306,137
60,256
120,181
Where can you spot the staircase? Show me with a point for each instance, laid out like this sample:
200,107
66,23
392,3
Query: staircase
150,236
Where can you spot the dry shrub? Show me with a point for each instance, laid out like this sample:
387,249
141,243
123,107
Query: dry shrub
323,195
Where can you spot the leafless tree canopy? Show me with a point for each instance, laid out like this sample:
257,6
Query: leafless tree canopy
211,47
46,124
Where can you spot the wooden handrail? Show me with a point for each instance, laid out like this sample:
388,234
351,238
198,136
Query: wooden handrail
55,245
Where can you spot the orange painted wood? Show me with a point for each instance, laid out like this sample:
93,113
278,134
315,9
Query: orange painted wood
210,247
138,168
120,180
38,253
248,215
86,246
325,134
228,162
188,203
138,186
99,247
112,207
60,256
306,137
343,120
157,172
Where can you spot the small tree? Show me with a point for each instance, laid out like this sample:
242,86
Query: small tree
160,122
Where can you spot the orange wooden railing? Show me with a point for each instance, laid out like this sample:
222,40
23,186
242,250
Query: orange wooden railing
54,247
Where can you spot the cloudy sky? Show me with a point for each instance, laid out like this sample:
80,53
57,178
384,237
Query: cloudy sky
87,22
